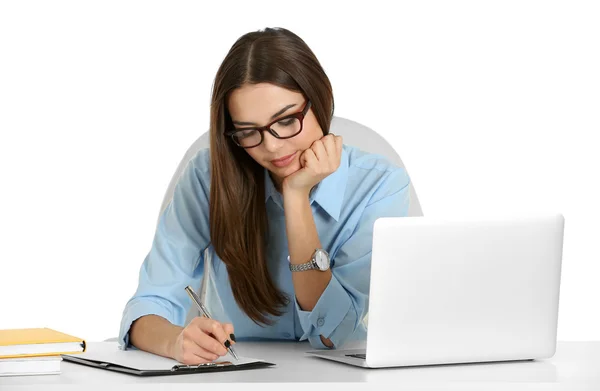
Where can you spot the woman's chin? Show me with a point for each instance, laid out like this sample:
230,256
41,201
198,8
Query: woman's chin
292,168
282,172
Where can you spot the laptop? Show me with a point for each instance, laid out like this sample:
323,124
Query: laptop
461,290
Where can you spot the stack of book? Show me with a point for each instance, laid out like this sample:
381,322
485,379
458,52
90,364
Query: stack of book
35,351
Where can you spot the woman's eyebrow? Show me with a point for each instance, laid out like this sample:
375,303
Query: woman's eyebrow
286,108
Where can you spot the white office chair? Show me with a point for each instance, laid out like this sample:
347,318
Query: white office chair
353,134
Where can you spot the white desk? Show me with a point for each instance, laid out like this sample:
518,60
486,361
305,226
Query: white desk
576,365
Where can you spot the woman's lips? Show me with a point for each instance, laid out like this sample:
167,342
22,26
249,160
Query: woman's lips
283,161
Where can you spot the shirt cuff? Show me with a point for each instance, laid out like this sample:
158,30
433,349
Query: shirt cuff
329,312
135,310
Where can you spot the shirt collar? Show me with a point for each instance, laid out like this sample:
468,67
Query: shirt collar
270,190
329,193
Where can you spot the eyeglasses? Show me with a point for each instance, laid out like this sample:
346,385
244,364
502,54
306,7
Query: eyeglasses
282,128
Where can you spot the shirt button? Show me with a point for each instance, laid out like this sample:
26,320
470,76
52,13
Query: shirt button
320,322
287,335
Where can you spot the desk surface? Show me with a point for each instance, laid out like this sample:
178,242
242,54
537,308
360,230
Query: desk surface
575,365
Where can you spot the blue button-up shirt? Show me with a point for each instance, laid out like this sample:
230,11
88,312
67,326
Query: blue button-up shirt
345,205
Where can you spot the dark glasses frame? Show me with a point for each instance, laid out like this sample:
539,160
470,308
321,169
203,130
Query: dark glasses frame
261,129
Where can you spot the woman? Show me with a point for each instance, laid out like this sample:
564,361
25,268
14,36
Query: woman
275,192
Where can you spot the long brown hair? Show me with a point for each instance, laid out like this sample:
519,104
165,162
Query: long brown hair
238,217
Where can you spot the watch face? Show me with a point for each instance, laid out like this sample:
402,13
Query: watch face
322,260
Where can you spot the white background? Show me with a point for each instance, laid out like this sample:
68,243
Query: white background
493,108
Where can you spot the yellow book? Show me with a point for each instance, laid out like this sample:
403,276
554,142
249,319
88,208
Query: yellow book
38,342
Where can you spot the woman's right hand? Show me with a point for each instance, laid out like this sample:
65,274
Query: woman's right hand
203,340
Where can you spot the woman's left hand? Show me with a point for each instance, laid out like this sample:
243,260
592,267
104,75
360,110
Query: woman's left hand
317,162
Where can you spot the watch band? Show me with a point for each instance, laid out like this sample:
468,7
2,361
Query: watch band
302,267
313,264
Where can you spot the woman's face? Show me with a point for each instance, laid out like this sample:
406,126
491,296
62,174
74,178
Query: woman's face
256,104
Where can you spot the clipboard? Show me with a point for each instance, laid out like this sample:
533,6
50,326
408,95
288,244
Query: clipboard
106,355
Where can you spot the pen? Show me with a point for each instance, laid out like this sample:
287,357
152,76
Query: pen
205,312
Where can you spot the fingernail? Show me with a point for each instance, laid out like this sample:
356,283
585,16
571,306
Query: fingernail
227,344
232,336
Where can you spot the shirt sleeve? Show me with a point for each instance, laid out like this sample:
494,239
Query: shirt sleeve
174,260
344,302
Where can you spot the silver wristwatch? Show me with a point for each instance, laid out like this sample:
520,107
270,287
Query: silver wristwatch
319,261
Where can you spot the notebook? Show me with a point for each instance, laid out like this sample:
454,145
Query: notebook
19,343
48,365
107,355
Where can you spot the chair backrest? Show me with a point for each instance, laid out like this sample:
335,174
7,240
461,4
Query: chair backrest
353,134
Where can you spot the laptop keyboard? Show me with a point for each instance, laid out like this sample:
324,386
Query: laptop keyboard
362,356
